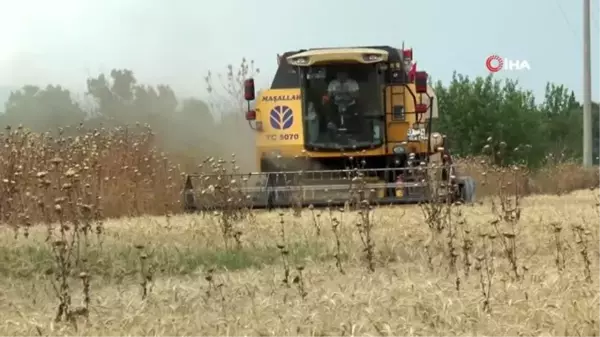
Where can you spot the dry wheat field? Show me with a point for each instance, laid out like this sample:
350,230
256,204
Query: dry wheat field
92,245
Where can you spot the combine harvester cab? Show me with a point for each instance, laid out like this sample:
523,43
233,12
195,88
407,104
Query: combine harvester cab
339,125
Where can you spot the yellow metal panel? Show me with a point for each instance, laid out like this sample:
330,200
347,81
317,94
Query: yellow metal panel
396,129
280,111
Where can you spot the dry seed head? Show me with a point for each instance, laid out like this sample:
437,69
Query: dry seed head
56,160
59,243
70,173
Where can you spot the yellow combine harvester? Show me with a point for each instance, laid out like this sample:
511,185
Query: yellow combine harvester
337,122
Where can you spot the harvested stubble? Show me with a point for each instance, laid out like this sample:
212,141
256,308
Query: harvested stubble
402,297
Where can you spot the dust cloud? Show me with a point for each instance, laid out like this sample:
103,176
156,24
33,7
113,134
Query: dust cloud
67,43
189,129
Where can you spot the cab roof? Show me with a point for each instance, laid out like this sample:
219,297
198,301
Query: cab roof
338,54
394,54
286,77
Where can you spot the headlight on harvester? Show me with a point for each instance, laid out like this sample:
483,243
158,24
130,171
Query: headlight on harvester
399,150
299,61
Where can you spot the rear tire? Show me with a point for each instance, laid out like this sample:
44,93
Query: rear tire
467,190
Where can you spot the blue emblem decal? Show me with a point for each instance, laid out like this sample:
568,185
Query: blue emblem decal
281,117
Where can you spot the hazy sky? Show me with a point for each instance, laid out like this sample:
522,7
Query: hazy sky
177,41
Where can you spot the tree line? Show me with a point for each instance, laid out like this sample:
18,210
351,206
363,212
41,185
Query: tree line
470,111
188,128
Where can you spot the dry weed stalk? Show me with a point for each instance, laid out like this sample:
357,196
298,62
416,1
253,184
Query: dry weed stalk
439,213
299,281
506,205
436,211
559,259
212,287
581,239
359,199
67,204
335,227
220,190
365,230
283,250
467,248
453,249
485,266
316,220
146,271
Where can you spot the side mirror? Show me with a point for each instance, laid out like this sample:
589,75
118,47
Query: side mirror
421,82
249,92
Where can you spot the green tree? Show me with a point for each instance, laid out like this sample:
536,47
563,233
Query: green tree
196,112
184,129
123,100
42,109
562,119
471,111
192,128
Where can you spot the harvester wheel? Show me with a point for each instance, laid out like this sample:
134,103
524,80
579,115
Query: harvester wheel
467,190
189,199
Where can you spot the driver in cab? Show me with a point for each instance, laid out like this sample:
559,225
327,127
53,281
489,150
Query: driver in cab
344,92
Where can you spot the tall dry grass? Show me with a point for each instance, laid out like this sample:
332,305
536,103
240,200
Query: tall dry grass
125,174
556,179
118,169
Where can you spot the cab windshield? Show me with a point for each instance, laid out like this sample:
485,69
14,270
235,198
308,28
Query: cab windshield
342,107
